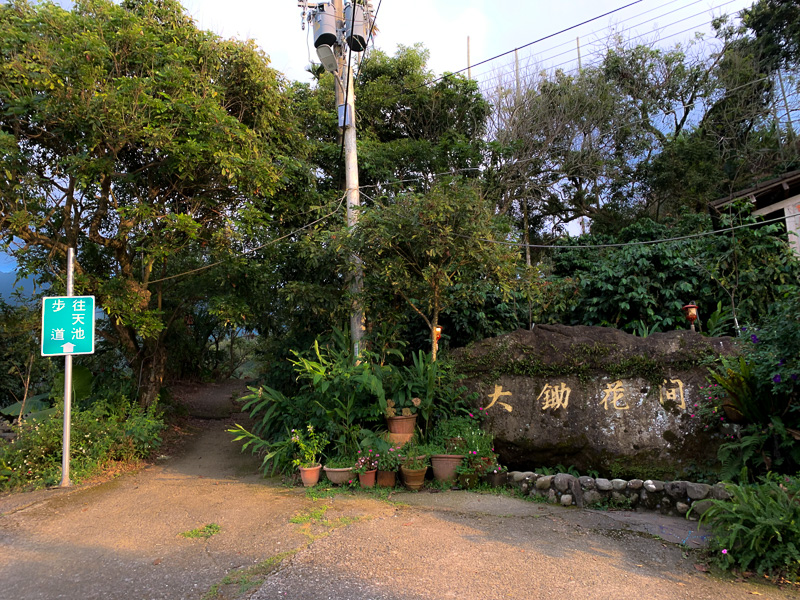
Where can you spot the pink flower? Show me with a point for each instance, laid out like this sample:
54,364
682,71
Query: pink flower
470,414
724,550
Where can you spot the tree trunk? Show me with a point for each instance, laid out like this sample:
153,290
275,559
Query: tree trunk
150,371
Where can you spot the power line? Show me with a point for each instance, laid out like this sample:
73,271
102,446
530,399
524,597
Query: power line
547,37
541,60
626,244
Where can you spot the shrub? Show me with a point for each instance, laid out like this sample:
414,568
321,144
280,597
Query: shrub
98,436
758,528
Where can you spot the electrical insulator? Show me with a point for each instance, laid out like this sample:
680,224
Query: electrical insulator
355,27
324,26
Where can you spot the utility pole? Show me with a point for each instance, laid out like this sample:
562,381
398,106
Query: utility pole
338,31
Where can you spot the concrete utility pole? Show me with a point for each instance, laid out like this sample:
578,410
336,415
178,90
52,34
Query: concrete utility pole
344,83
337,32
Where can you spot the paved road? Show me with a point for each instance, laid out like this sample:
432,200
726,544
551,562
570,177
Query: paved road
122,539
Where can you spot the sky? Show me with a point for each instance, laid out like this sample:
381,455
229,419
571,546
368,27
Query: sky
493,27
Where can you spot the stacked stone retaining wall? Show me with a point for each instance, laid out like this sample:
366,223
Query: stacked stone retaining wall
666,497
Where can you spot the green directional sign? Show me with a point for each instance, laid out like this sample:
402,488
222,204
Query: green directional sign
67,325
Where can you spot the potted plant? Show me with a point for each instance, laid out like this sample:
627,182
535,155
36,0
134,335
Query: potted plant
388,464
309,448
339,469
401,418
470,469
413,468
366,466
496,475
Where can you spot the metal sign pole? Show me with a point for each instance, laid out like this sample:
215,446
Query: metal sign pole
65,482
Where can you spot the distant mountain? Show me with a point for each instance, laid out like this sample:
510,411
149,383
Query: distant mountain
7,286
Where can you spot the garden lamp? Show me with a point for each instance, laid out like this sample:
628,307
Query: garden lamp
691,314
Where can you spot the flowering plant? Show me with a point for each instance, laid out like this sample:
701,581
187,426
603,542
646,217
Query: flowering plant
496,469
367,460
389,460
309,447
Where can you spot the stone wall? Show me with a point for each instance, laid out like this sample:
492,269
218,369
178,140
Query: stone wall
595,398
669,498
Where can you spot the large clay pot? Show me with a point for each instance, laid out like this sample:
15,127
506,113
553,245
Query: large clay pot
414,478
339,476
401,423
444,466
367,480
401,429
386,478
310,475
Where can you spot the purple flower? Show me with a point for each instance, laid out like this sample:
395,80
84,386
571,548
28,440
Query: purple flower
794,376
754,339
781,362
777,378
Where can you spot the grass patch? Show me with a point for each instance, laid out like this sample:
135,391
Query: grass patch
205,532
245,580
315,515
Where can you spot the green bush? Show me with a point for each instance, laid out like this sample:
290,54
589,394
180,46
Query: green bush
758,528
98,436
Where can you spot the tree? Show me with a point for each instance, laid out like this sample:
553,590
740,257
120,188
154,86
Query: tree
435,249
129,134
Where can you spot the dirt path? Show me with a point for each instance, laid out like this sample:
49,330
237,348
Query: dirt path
122,539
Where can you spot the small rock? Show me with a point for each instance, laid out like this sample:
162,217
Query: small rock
697,491
699,508
619,484
552,497
587,483
517,476
561,481
543,483
592,497
652,485
635,484
604,485
718,492
566,500
676,489
619,497
682,508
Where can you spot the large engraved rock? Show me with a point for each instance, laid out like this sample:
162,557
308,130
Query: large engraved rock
594,397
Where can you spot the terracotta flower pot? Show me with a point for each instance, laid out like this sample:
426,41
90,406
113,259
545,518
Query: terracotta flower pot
339,476
401,424
413,478
310,475
445,465
367,480
386,479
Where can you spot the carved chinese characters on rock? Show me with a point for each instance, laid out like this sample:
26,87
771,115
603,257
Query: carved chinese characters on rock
614,396
672,391
554,397
498,392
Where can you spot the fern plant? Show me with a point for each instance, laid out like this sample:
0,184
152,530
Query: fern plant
758,528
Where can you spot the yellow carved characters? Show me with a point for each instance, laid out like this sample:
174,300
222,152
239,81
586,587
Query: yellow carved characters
615,394
498,391
554,396
672,390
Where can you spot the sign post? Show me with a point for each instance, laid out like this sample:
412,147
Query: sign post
67,329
